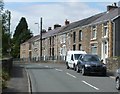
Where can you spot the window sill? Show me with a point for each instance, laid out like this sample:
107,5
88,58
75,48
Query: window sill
94,39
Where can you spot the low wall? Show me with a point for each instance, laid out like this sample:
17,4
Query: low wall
7,65
113,64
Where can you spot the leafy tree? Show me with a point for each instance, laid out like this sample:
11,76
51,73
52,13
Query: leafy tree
4,30
1,5
6,36
22,34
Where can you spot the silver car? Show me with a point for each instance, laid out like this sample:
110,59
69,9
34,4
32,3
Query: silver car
117,79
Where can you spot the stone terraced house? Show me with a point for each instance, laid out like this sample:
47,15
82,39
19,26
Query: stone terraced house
98,34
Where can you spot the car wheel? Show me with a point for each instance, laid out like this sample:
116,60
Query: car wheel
77,69
83,71
67,65
74,67
104,74
118,84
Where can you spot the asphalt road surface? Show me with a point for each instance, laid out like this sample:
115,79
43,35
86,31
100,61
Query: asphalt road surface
48,77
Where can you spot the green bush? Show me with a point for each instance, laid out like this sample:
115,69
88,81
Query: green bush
4,83
4,77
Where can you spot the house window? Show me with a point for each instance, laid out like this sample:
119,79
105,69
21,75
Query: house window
105,30
64,38
94,48
52,51
50,41
94,32
74,47
30,46
80,35
74,37
80,47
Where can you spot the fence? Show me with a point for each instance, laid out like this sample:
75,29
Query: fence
7,64
60,59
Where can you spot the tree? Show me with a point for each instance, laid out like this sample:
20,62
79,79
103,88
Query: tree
1,5
4,29
22,34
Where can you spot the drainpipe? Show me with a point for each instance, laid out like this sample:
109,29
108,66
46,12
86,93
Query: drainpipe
113,38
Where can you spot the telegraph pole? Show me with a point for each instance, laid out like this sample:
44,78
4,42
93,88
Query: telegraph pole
41,38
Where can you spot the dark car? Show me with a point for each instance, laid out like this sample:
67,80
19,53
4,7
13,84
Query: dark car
89,63
117,79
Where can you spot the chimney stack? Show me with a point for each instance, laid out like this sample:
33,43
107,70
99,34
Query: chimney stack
56,26
112,7
67,22
49,28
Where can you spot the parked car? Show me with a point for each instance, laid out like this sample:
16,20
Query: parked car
72,58
89,63
117,79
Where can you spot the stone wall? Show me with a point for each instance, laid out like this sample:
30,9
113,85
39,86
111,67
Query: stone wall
113,64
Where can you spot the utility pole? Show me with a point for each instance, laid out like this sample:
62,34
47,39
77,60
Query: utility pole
41,38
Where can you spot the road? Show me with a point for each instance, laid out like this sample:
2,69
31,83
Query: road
49,77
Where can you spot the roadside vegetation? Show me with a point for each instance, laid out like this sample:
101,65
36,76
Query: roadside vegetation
4,77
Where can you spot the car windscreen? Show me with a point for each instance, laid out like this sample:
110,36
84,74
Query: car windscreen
91,58
77,56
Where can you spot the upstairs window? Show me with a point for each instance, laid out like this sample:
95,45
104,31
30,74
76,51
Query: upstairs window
74,37
105,30
94,33
80,35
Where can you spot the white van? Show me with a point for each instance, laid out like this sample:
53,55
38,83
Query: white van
72,58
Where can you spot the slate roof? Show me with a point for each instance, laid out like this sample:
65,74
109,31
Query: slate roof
108,16
83,22
53,32
32,39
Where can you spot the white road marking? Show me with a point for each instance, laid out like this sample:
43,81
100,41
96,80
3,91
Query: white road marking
59,70
112,77
28,79
46,66
90,85
70,75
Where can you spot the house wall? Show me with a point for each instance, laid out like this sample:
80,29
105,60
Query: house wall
35,49
24,50
117,37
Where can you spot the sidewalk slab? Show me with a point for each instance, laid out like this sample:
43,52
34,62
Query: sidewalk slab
18,82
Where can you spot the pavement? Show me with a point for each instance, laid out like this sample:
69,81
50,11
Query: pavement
18,82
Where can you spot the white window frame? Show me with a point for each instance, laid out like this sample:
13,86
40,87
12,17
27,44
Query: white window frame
94,31
105,31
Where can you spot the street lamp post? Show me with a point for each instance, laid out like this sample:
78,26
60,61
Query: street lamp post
41,38
40,30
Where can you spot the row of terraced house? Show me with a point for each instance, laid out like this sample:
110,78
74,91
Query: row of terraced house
98,34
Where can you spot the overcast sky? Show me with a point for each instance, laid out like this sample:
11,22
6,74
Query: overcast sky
52,12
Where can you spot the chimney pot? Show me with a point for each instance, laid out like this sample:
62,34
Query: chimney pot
49,28
112,7
67,22
115,4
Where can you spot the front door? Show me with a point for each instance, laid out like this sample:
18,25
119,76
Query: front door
104,50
